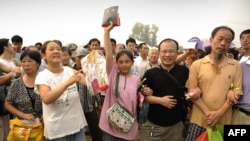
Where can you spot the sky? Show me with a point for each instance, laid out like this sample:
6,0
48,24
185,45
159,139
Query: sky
77,21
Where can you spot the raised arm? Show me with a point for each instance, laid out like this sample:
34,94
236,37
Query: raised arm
183,56
107,44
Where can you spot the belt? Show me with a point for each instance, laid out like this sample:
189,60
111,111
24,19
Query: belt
243,111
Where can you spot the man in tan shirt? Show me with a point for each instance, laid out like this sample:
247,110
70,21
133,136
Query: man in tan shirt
216,76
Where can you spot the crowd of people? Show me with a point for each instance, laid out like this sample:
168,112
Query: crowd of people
172,95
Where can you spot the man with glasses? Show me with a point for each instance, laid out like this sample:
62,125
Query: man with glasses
245,44
165,115
241,113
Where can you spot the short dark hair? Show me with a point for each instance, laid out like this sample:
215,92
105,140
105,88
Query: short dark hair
68,50
141,44
124,52
38,43
113,40
35,55
45,44
58,42
131,40
94,40
3,42
16,39
222,27
167,40
234,51
247,31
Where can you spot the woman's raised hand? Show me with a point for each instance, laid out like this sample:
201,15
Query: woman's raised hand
110,27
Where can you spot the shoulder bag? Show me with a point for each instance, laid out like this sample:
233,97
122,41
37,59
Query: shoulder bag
118,116
20,131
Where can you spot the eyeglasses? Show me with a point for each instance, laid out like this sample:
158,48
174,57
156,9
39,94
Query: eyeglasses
168,51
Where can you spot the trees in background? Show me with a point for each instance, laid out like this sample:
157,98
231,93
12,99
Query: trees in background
145,33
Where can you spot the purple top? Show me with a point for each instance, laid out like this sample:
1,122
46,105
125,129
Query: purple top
127,97
244,100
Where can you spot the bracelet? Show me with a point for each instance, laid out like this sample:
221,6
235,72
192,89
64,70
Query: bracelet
237,88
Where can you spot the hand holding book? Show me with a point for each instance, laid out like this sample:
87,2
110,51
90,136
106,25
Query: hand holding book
111,15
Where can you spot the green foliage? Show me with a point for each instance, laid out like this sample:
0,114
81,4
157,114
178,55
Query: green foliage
145,33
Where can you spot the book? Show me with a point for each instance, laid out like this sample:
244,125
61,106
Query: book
111,14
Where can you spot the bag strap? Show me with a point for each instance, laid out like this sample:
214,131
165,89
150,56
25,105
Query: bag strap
172,77
32,102
176,82
117,85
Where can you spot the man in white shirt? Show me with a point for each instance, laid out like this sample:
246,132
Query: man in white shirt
131,46
6,51
153,57
141,63
245,44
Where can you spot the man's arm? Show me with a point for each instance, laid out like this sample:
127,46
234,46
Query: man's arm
183,56
166,101
235,89
214,116
6,78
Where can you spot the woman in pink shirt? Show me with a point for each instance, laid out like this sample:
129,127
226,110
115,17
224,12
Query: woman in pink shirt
127,89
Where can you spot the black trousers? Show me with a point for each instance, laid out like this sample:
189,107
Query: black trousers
93,124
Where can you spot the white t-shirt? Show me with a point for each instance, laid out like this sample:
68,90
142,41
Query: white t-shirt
18,56
141,66
243,58
7,63
64,116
